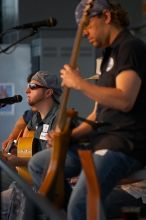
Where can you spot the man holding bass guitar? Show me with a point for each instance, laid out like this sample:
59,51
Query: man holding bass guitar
43,92
119,142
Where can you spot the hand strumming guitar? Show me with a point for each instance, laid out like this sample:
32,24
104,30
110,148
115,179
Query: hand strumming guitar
13,160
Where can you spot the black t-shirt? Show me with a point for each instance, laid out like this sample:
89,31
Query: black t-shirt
124,131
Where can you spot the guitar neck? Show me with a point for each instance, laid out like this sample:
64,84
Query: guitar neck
61,117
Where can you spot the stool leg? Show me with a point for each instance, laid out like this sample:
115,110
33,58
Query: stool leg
94,209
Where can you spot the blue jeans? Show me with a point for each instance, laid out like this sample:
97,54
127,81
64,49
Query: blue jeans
110,168
39,163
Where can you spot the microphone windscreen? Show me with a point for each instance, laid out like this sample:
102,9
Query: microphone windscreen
19,98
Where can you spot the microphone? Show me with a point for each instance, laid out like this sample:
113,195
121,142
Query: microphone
50,22
11,100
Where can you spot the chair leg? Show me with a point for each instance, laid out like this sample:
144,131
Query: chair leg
94,210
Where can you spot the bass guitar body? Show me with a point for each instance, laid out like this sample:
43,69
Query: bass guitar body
53,184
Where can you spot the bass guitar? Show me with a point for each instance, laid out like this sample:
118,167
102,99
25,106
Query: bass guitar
53,183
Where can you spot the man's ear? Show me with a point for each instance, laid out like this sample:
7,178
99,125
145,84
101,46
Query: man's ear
107,16
49,92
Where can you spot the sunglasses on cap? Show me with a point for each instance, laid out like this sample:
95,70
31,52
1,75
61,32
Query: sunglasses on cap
34,86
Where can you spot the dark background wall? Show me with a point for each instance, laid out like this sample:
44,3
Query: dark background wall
22,11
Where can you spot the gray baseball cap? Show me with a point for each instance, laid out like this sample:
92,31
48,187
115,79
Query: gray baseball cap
49,80
98,7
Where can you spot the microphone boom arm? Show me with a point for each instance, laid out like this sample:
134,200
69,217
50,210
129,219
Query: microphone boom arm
33,32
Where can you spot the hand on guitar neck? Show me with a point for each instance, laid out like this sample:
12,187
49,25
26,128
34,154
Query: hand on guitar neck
10,148
9,151
9,155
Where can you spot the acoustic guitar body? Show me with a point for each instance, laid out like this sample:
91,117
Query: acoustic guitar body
25,149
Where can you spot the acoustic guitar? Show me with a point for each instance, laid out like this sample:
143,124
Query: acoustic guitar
18,152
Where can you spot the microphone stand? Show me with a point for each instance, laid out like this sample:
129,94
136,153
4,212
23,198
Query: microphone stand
33,32
40,201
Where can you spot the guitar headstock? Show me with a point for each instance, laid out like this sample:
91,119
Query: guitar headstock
86,11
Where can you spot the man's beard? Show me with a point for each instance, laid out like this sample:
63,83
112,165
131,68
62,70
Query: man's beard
31,103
